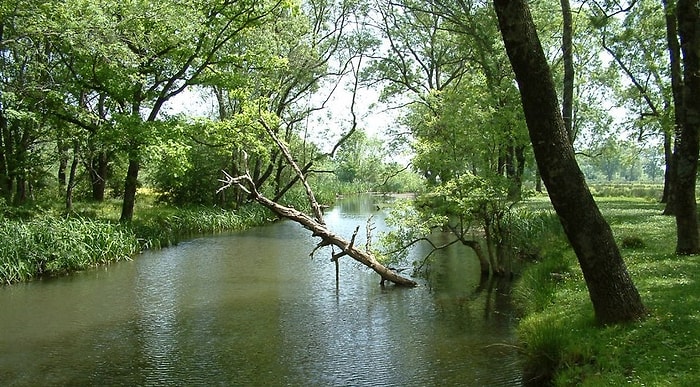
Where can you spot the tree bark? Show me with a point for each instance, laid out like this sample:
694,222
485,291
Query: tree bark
5,180
671,151
568,57
99,165
688,239
71,179
612,292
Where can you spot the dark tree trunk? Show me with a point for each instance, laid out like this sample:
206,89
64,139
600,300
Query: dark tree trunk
515,167
688,239
18,170
130,186
613,294
670,147
568,57
62,165
669,173
538,181
5,180
20,191
484,264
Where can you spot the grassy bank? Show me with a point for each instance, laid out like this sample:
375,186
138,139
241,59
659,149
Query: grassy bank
45,242
559,338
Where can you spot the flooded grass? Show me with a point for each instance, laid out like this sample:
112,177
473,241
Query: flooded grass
559,335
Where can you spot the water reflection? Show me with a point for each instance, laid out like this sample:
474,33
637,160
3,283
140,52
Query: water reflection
254,309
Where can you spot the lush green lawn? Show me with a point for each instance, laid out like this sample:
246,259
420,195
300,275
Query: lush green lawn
558,330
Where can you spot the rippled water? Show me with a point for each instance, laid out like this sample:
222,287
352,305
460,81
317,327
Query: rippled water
252,308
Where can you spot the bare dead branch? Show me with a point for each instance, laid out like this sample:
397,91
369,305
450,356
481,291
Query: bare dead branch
319,229
318,214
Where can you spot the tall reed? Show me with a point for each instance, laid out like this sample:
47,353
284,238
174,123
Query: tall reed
49,245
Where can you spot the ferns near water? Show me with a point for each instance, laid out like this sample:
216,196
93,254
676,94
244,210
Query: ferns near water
49,246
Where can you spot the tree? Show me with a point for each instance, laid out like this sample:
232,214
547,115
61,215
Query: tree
135,56
688,239
25,87
615,298
648,78
568,59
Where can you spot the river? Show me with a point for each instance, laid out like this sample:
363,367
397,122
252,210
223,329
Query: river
253,309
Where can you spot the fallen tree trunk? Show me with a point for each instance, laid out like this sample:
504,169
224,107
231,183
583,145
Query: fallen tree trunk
320,230
316,224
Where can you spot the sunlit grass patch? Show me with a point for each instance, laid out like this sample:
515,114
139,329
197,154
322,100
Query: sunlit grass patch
664,349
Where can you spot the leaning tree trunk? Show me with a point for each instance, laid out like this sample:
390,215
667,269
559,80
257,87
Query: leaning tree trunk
613,294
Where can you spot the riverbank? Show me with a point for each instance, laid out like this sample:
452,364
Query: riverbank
48,243
559,338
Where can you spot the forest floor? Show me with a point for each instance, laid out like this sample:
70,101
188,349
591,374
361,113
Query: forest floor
560,339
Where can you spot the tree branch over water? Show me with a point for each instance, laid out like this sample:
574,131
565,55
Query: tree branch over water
315,224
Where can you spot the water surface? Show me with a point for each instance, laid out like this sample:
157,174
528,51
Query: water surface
252,308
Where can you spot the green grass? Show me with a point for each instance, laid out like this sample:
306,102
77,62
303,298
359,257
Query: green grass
560,338
41,242
50,246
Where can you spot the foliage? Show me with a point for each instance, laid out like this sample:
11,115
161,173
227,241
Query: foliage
408,225
558,333
165,228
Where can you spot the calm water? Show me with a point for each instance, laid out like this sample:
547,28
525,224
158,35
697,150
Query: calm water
252,308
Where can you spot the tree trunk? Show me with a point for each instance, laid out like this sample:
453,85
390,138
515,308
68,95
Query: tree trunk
669,173
484,265
130,186
613,294
568,57
5,180
688,239
62,165
670,147
71,179
98,175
